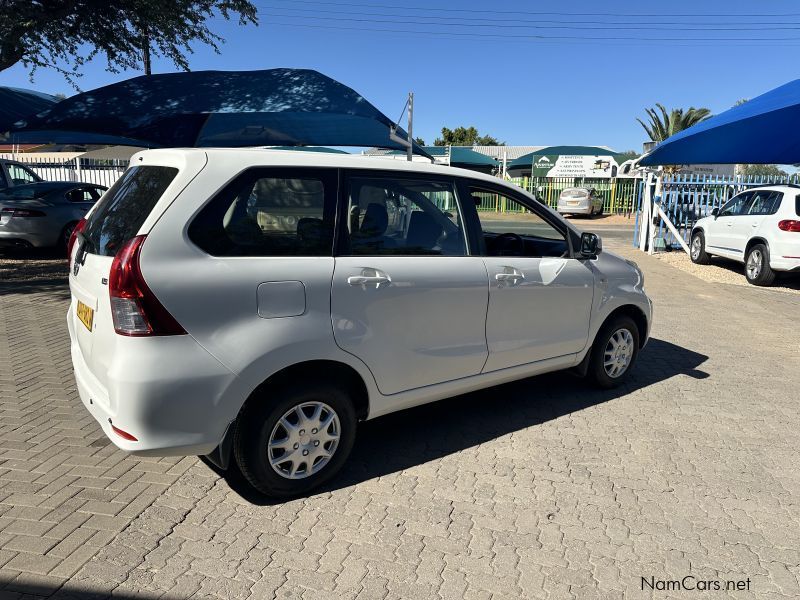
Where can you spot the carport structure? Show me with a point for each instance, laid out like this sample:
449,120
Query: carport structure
756,132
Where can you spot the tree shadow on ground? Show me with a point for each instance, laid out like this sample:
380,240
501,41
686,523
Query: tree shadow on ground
34,271
425,433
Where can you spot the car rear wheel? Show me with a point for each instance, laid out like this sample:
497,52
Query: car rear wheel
296,438
66,233
756,266
614,352
697,251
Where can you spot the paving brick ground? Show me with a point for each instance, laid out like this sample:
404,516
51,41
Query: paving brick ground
537,489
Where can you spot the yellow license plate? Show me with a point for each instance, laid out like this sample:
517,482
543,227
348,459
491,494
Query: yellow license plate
573,202
85,314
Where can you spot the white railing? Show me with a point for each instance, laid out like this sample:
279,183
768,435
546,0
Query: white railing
72,168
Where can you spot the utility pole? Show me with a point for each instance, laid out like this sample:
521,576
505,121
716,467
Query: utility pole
410,125
146,50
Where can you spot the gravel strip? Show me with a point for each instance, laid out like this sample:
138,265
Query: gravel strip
722,270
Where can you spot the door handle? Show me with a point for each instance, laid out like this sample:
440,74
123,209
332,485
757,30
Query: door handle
369,277
509,274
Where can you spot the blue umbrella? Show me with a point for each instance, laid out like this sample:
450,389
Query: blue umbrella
762,130
17,104
276,107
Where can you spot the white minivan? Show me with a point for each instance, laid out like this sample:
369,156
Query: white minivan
254,305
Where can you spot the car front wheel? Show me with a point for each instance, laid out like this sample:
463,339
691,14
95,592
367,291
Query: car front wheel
756,266
614,352
295,438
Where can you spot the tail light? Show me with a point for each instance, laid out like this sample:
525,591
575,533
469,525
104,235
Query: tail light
789,225
134,308
23,212
74,236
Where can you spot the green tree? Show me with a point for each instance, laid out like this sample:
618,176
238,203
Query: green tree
419,140
663,124
465,136
53,33
761,171
627,155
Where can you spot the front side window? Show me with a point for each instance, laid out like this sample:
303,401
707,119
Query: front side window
388,216
269,212
735,205
764,203
21,175
516,230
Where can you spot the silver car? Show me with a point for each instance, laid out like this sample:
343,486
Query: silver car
44,214
580,201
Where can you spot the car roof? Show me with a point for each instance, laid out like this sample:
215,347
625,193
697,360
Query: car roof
300,158
48,186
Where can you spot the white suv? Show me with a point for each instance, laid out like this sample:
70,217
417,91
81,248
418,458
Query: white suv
759,227
257,304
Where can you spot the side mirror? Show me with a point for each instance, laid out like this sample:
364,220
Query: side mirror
715,212
591,245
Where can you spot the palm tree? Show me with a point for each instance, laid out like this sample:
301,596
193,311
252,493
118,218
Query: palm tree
665,124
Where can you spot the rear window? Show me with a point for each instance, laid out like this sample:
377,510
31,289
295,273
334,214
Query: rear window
575,193
269,212
120,214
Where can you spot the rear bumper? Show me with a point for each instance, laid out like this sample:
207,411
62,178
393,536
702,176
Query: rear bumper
168,393
15,239
574,210
787,262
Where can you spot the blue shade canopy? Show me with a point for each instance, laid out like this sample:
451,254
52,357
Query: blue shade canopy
17,104
276,107
763,130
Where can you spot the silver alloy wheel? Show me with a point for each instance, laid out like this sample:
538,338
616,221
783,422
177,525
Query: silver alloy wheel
754,264
618,353
304,440
696,247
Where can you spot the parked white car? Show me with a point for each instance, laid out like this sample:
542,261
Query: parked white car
759,228
259,303
580,201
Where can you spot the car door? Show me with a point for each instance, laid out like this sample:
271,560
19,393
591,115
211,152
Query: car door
540,297
719,232
761,204
407,298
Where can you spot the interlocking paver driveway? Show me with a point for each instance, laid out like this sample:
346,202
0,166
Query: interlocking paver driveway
541,488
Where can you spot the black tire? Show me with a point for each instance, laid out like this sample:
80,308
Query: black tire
597,372
63,240
759,272
259,418
697,249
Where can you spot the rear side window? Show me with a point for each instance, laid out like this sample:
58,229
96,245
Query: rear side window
119,216
765,203
270,212
797,205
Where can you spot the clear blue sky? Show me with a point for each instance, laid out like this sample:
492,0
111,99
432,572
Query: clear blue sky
468,66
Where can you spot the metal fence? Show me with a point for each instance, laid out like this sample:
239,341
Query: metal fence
620,195
88,170
687,198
